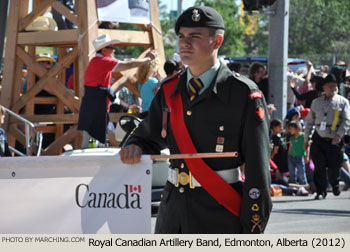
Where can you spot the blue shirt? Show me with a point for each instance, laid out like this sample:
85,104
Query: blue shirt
146,93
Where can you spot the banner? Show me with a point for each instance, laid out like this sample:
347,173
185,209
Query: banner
124,11
74,194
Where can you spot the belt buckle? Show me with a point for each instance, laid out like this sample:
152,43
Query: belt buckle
183,178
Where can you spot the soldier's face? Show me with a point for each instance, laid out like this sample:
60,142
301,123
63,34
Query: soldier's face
197,48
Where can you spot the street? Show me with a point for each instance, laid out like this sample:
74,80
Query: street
303,214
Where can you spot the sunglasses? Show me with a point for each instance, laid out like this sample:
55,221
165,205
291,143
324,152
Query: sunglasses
109,47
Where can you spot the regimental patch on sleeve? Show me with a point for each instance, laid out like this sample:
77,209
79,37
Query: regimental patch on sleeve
255,94
261,113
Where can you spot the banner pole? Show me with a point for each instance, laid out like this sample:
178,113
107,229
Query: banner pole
195,155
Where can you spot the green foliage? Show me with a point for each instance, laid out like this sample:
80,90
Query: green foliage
167,23
257,44
234,33
319,26
318,29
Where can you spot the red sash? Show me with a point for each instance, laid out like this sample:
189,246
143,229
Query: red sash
218,188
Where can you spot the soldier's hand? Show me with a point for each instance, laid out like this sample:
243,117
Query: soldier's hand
336,140
130,154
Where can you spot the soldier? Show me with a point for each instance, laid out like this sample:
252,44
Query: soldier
330,115
207,108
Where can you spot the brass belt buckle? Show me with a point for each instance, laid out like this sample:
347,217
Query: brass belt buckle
183,178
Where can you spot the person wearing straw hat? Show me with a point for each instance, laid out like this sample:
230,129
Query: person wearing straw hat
204,110
93,116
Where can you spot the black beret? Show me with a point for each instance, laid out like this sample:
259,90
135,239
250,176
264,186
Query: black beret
200,16
329,78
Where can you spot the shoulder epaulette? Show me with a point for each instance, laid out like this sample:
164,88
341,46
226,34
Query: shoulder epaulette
245,80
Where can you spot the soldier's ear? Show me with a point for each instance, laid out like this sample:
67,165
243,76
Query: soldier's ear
219,40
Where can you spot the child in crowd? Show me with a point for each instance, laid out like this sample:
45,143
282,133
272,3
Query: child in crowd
296,162
279,147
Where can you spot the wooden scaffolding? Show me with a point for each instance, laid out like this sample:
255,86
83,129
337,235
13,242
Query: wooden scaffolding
20,50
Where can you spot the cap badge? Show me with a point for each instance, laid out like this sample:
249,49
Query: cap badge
196,16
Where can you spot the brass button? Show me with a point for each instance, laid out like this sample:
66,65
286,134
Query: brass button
189,112
221,128
237,74
182,165
182,190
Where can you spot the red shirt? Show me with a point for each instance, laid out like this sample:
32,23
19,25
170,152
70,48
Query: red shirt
99,71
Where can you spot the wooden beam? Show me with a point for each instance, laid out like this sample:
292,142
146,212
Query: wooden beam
49,119
64,38
60,119
88,31
55,147
38,11
156,34
66,12
135,38
19,135
47,77
10,56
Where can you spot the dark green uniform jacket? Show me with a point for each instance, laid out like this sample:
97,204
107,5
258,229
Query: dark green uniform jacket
229,109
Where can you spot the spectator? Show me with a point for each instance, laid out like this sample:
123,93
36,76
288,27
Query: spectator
147,84
280,148
235,66
171,67
297,157
310,95
93,116
344,173
63,22
256,73
298,80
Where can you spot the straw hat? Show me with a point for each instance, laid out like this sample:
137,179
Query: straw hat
103,41
45,57
42,23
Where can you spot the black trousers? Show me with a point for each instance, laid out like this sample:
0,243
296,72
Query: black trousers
195,212
325,155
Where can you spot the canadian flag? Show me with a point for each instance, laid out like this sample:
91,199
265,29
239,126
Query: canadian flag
135,188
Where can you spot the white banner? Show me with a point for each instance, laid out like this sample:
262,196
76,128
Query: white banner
72,194
124,11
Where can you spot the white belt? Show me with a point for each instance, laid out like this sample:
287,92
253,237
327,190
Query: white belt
175,177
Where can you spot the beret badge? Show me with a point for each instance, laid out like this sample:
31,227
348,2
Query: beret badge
196,16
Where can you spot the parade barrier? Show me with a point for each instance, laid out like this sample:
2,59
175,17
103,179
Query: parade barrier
74,194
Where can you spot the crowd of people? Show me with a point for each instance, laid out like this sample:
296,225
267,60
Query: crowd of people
309,147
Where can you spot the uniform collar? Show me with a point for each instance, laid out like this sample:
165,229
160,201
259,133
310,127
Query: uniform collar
206,77
218,85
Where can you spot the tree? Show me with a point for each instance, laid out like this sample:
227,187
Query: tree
319,27
233,44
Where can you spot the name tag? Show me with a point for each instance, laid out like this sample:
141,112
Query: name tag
323,125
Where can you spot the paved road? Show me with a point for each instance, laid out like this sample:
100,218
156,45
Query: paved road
303,214
300,214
